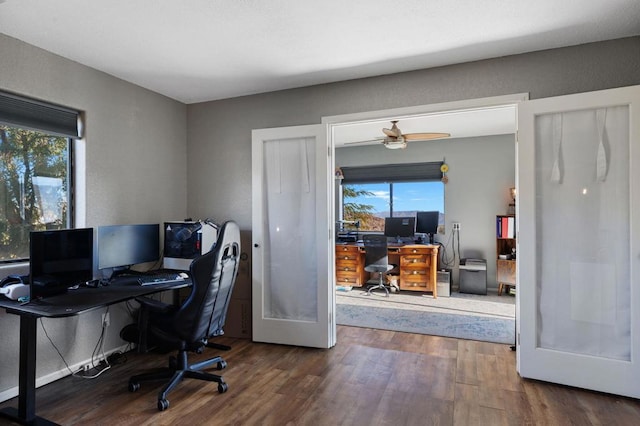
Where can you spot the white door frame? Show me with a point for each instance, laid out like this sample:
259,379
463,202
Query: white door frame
419,110
336,121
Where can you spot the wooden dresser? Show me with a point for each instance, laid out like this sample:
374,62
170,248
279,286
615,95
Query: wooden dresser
350,266
417,266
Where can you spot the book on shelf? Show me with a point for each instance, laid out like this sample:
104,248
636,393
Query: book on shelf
506,227
511,228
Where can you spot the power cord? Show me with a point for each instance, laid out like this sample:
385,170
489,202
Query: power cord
54,346
449,262
115,358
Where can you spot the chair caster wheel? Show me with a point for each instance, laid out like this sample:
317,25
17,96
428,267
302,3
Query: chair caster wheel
133,386
163,404
222,365
222,387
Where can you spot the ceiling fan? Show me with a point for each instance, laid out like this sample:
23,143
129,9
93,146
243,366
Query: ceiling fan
395,139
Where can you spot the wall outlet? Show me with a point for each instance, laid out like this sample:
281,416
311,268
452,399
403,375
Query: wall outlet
456,226
106,321
86,367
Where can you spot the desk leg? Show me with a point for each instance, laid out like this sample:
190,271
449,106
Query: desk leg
26,413
433,271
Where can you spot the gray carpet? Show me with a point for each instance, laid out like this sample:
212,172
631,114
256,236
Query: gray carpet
488,318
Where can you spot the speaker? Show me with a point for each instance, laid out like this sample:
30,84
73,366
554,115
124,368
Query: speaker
444,283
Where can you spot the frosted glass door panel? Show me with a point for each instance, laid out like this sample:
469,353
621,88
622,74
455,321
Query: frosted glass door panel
582,232
291,281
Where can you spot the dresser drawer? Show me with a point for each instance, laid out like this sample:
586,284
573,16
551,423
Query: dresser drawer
415,283
409,250
347,249
347,253
417,260
350,278
347,266
413,274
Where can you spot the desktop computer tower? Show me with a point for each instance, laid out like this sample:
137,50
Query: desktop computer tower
443,283
184,241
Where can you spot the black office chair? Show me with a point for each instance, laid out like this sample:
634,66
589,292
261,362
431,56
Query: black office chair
201,316
376,259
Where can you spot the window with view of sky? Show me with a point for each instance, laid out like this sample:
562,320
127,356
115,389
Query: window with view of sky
372,202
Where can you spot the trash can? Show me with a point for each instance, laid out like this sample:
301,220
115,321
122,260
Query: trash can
473,276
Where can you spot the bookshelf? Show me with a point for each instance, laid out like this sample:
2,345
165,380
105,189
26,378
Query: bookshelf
505,252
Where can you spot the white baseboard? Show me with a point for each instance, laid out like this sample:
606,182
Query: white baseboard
52,377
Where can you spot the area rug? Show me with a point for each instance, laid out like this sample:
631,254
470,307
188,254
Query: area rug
460,316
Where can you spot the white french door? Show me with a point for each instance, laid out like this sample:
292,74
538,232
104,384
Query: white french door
578,178
292,260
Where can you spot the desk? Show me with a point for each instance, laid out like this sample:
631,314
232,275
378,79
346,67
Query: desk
417,266
73,302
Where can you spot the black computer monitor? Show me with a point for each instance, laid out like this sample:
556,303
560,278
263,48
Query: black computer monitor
427,223
122,246
59,259
399,227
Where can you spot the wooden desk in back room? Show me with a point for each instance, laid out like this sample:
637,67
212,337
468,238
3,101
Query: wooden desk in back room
417,266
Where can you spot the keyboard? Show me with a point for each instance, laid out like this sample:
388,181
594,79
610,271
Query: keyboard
153,278
159,278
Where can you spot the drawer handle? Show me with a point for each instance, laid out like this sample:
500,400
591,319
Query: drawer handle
346,268
346,280
415,260
415,251
346,258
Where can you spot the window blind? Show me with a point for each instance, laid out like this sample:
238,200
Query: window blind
30,114
392,173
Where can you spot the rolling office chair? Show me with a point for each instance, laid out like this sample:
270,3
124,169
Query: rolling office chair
201,316
376,259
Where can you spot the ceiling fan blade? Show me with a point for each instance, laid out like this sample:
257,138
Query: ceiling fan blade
365,141
391,132
425,136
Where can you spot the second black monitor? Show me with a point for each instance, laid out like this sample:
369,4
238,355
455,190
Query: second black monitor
399,227
427,223
122,246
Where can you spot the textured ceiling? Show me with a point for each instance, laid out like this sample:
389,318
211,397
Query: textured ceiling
200,50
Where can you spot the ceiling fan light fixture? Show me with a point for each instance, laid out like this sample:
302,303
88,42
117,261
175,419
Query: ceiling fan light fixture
399,143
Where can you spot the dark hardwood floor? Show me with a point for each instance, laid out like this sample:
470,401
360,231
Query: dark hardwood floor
371,377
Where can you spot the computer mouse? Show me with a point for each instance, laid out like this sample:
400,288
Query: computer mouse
183,275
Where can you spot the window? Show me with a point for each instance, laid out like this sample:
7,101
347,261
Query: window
371,203
369,194
35,168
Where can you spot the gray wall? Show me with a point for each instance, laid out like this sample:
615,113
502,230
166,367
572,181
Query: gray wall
219,133
135,173
481,171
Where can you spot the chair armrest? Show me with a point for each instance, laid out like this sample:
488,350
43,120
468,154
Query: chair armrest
154,305
149,306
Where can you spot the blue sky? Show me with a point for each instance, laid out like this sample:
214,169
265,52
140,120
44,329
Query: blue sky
409,196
